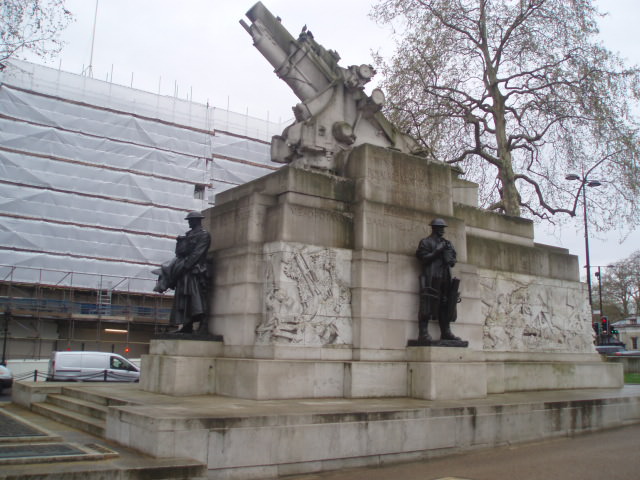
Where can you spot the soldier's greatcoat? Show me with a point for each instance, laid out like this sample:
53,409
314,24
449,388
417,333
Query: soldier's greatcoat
187,273
435,278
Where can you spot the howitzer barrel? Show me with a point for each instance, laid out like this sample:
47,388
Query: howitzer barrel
302,69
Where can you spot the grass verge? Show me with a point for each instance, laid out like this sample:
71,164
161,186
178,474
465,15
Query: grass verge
632,378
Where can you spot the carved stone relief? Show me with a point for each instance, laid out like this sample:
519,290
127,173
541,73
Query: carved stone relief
307,295
523,314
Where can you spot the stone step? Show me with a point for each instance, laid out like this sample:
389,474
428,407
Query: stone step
83,394
73,404
73,419
130,469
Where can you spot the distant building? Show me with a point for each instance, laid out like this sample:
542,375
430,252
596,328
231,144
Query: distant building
95,182
628,332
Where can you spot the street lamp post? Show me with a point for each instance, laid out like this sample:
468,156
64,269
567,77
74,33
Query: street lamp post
599,275
589,183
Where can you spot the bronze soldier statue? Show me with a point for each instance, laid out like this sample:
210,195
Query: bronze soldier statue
438,289
187,273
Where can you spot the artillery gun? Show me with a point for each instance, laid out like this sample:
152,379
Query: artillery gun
334,114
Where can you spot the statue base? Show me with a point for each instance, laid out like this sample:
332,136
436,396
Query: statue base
437,343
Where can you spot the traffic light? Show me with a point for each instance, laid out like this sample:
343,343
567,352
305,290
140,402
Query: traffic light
605,325
596,327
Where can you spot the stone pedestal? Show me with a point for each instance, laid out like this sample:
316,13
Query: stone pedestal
441,373
180,367
316,293
187,367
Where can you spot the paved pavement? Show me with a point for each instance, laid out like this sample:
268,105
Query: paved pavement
606,455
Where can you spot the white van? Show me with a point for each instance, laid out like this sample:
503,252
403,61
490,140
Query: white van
91,366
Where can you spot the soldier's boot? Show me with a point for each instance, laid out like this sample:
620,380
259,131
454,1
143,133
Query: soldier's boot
446,333
186,328
203,327
423,332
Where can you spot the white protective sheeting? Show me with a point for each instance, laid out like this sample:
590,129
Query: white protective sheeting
41,237
94,92
96,178
39,204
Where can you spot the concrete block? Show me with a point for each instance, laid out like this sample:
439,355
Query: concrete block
493,225
380,333
369,273
444,354
239,265
290,352
238,329
315,226
397,230
277,379
447,381
380,355
178,375
464,192
389,177
519,376
244,298
375,379
371,303
495,377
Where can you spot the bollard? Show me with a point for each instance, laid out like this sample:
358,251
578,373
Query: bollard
35,375
105,375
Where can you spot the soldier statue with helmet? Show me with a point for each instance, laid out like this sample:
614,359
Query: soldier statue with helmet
438,289
188,274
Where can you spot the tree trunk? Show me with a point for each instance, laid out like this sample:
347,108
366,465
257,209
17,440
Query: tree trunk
510,195
509,192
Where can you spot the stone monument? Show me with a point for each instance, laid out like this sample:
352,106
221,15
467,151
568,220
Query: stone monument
316,285
317,292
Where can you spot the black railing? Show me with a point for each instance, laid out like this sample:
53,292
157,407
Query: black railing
101,376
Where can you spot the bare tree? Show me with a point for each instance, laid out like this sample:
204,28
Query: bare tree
32,25
519,93
621,285
634,263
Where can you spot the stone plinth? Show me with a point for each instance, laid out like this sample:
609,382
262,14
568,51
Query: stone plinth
316,293
180,367
309,259
187,367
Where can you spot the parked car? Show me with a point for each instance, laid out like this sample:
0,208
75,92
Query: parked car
609,349
91,367
6,378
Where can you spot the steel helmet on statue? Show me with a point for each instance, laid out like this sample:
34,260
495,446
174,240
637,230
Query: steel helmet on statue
194,214
438,222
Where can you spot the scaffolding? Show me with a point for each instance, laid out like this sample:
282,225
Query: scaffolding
95,182
51,312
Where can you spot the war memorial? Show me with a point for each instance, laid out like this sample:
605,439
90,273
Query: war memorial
329,341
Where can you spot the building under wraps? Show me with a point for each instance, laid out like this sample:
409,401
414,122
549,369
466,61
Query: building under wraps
95,182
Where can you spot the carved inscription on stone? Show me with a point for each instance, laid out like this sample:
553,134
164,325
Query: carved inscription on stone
405,176
523,314
307,295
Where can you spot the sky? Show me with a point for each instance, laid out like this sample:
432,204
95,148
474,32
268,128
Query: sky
196,49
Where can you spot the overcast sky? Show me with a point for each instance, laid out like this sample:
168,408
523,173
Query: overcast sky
199,49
